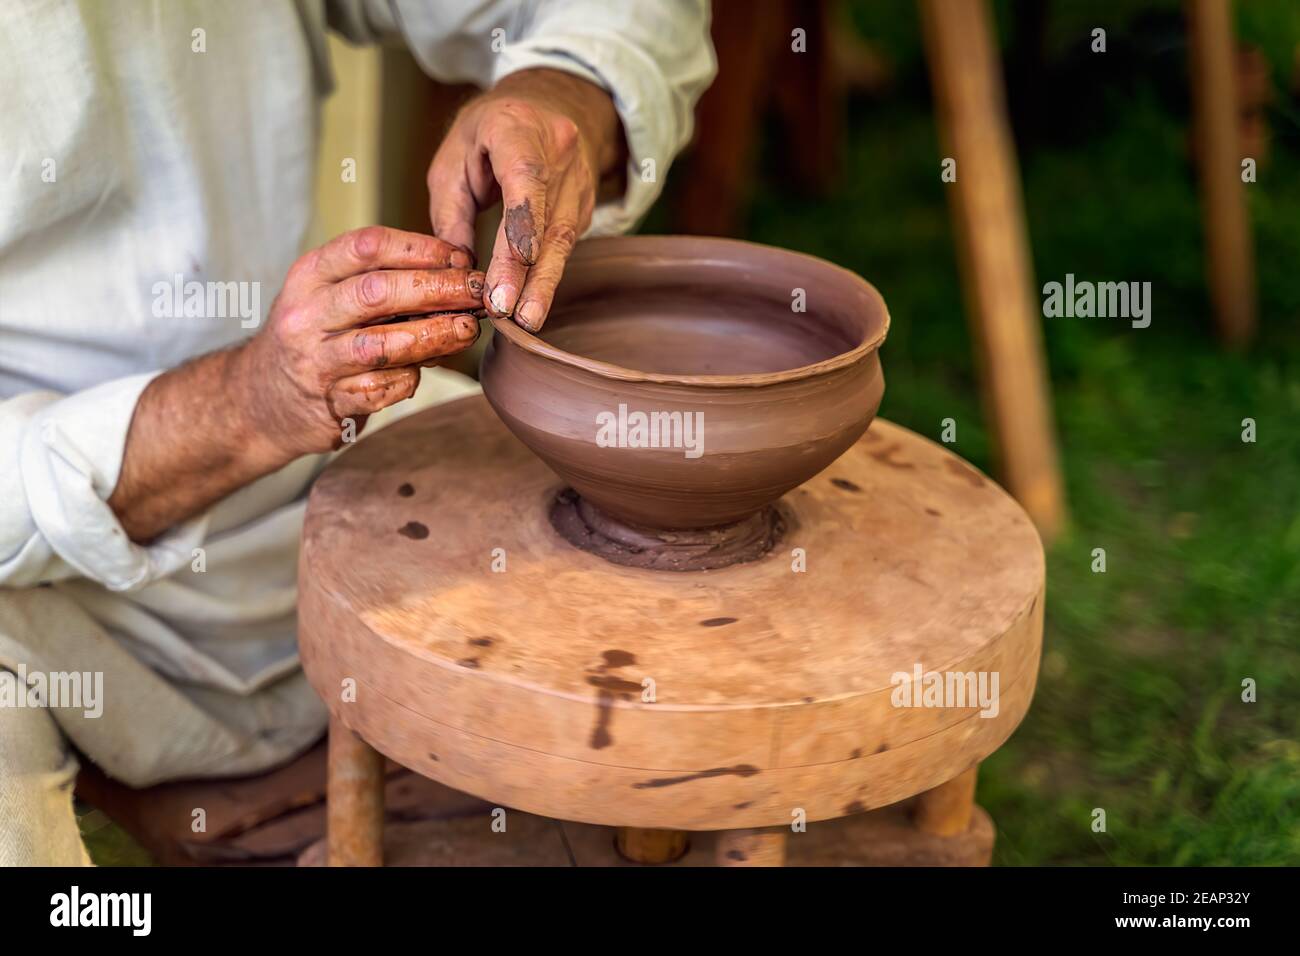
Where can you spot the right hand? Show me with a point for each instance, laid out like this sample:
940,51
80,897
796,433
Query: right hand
322,358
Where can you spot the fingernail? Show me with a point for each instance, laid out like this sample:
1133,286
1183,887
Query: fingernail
475,283
530,315
503,299
466,328
460,259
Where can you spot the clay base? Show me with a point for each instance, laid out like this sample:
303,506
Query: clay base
585,526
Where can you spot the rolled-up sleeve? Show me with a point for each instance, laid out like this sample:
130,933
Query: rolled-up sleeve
654,57
60,457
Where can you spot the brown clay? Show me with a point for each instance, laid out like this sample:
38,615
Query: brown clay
691,330
583,525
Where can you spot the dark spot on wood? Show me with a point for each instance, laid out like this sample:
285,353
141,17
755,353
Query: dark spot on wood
854,807
807,700
600,735
618,658
406,490
743,806
718,621
600,738
857,752
610,686
845,484
931,511
481,641
740,770
413,530
964,472
616,684
736,855
886,457
470,662
434,757
882,748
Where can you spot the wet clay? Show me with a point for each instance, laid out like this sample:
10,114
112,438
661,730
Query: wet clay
585,526
520,232
759,367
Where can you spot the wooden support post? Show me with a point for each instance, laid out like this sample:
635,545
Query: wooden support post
946,810
651,846
354,809
1229,252
751,847
1001,300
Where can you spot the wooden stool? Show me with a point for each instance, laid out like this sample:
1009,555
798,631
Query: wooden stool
447,626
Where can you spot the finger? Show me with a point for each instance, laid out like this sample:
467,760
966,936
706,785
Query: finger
368,392
402,343
557,245
380,295
379,247
505,277
519,163
454,203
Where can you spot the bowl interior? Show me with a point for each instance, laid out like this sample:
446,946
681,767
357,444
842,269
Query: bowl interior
686,332
705,307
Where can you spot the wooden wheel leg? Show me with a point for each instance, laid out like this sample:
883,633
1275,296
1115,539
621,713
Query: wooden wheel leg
651,846
751,847
354,805
946,810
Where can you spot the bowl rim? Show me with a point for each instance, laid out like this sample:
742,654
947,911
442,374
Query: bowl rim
607,246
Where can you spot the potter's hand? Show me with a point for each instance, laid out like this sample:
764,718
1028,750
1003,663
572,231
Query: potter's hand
540,141
225,419
322,356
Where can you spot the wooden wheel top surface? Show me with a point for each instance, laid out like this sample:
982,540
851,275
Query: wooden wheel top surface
443,619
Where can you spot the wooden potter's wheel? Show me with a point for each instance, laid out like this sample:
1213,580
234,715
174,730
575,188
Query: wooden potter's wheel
772,688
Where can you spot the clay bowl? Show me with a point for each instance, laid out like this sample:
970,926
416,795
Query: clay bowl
703,329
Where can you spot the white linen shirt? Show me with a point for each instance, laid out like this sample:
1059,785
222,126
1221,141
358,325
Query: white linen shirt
128,157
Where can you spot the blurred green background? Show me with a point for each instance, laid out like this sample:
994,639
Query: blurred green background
1139,705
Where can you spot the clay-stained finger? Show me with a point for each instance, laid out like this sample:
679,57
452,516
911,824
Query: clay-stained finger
520,164
401,343
557,245
505,278
368,392
377,247
380,295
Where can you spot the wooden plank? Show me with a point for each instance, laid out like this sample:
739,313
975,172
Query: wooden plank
993,252
1229,248
751,847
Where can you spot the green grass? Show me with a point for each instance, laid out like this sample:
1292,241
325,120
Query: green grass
1138,709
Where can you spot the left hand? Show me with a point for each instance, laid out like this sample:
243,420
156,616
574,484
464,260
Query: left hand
540,141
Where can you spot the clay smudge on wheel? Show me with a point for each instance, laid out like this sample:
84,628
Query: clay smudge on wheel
700,549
